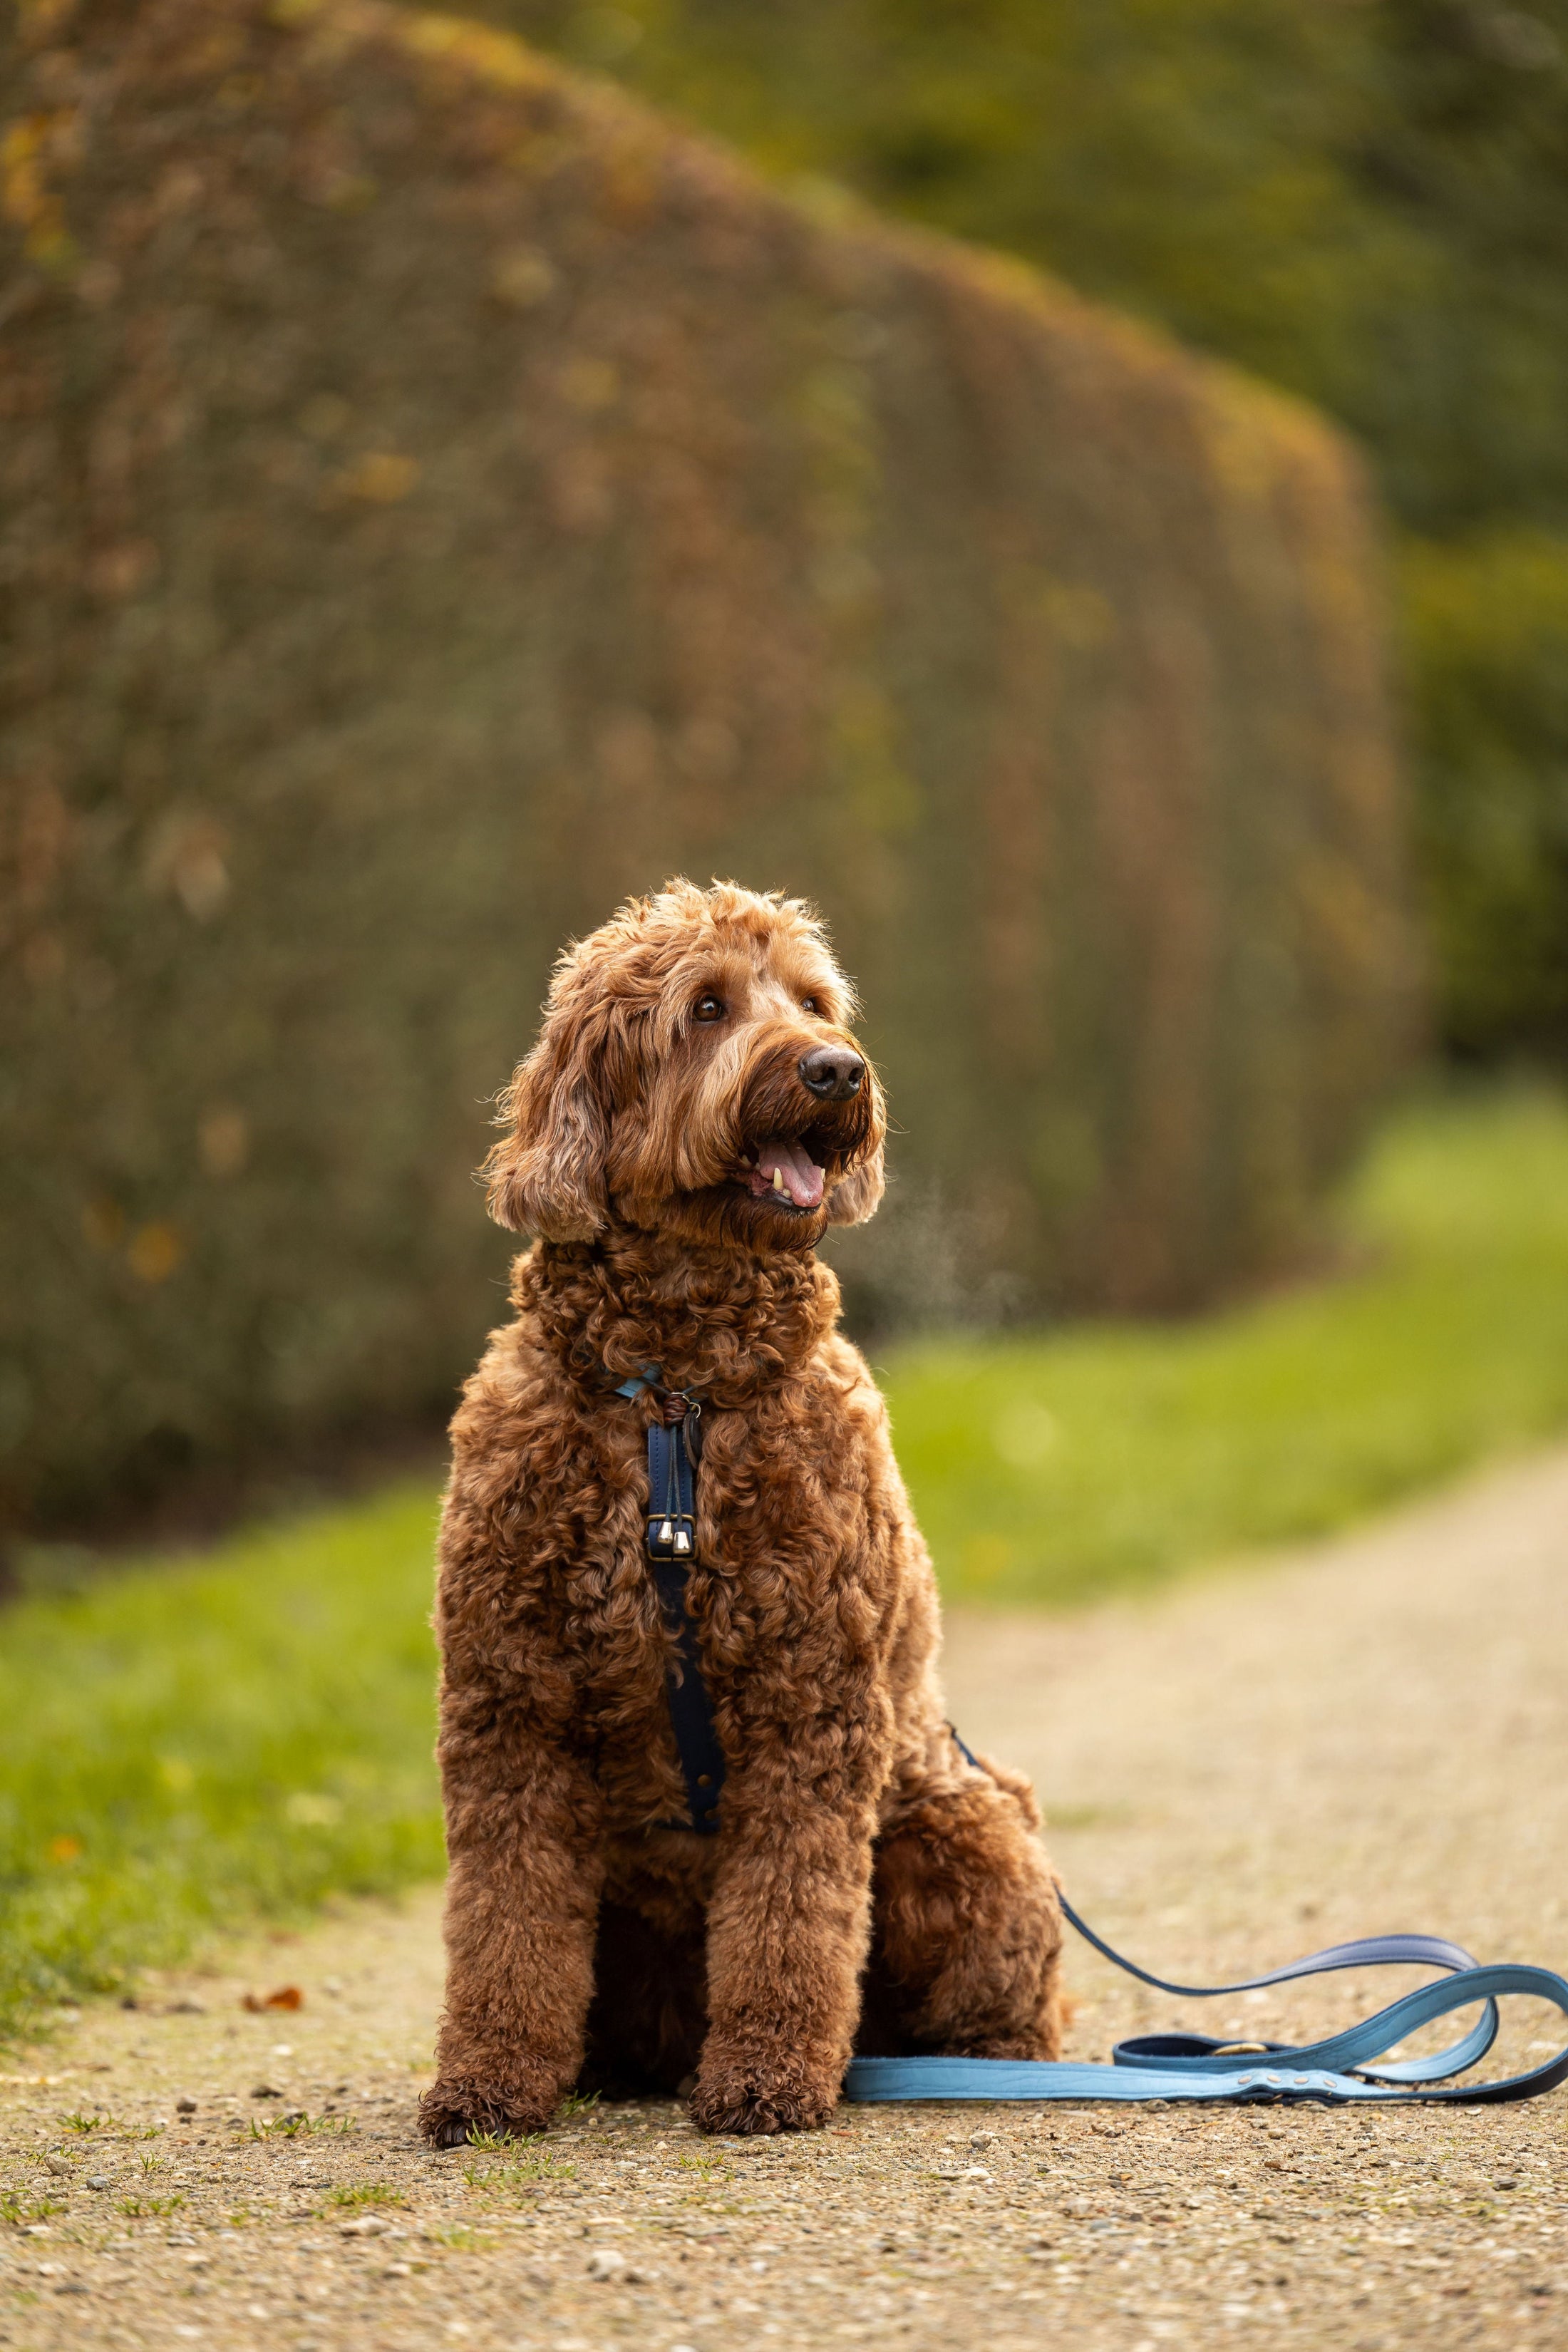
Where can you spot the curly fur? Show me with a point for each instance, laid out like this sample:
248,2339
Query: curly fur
867,1887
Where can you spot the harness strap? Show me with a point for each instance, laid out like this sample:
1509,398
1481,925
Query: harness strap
672,1455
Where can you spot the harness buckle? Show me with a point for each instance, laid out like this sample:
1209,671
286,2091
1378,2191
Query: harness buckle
672,1534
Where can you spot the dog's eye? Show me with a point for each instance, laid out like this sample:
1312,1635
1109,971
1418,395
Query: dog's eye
809,1004
709,1007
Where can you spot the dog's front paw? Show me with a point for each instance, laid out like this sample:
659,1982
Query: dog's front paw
761,2096
451,2113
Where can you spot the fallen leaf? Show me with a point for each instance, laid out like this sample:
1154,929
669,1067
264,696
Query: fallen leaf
286,1997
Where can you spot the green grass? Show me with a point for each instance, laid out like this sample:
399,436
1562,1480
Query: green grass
1048,1470
188,1745
185,1746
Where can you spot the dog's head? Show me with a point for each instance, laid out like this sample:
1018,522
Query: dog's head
695,1073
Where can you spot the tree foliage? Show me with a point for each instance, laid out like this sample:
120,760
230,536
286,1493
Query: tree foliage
1364,200
1488,626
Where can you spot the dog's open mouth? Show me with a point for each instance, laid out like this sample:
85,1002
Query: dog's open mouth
783,1172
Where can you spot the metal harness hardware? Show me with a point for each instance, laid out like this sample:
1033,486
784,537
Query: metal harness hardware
671,1482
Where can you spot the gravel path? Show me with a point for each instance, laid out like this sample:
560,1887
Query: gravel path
1373,1735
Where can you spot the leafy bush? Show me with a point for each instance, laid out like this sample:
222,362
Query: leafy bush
438,498
1487,631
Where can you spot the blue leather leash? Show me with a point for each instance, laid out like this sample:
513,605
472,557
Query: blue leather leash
1179,2066
1195,2066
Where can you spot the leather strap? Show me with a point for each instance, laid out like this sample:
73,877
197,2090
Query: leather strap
672,1455
1197,2066
1181,2066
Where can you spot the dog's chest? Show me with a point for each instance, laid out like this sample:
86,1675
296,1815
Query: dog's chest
787,1557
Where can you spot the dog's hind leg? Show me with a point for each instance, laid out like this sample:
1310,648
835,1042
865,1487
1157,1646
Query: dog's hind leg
649,2010
966,1928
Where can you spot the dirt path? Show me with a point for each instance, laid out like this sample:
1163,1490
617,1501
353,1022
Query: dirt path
1372,1735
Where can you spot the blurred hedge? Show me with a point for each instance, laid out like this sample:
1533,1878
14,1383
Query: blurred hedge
1486,638
438,497
1366,205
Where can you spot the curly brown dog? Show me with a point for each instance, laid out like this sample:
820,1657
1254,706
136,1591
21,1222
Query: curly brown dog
693,1117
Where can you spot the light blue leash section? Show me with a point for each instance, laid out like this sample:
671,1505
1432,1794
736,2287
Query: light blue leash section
1155,2065
1191,2066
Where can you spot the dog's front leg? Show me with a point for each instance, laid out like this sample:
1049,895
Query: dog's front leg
522,1900
788,1931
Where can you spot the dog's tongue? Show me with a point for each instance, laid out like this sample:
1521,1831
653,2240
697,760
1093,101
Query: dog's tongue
802,1177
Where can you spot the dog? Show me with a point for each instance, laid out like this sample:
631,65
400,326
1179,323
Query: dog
694,1117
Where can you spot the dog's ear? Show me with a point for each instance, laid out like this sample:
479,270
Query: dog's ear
546,1175
860,1194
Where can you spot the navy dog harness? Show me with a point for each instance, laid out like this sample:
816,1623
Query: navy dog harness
1175,2066
674,1449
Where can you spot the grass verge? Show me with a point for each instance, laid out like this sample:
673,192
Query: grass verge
1049,1470
186,1745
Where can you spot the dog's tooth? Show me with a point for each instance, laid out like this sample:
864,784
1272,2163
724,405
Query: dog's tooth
778,1180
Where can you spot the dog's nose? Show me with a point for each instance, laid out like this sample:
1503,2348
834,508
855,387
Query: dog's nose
831,1072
